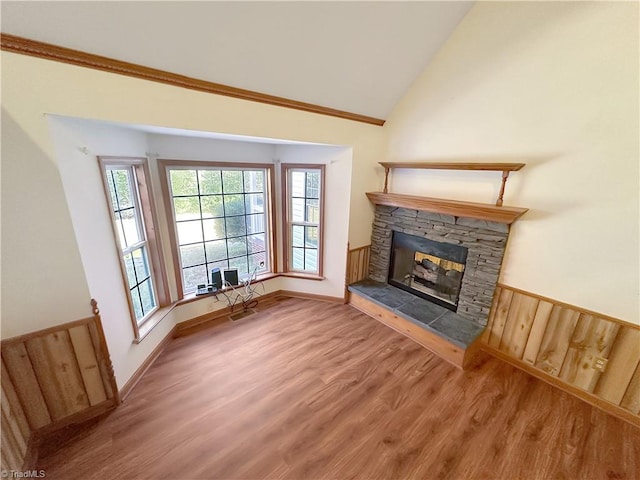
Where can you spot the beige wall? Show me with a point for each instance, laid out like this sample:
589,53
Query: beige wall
44,280
554,85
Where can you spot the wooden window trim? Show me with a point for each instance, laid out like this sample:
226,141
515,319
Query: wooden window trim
164,164
149,223
284,178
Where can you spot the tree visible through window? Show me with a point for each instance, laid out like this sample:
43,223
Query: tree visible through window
220,219
127,217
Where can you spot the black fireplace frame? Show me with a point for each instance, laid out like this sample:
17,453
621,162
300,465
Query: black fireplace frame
454,253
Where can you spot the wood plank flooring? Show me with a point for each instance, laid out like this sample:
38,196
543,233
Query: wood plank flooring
311,390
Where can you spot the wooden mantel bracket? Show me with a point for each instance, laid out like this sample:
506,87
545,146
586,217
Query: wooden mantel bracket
505,168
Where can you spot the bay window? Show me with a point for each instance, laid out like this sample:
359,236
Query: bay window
221,215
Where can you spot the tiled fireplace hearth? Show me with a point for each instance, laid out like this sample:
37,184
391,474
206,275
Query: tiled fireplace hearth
484,241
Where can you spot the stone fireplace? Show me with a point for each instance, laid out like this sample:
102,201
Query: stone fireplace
452,261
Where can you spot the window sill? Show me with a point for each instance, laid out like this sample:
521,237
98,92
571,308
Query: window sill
154,319
306,276
192,297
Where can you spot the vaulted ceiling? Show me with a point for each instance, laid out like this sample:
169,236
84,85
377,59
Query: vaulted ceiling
359,57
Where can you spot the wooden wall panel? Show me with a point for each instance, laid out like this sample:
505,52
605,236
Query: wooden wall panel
631,399
11,404
555,341
515,334
500,317
88,364
51,378
593,356
106,369
58,374
358,264
14,426
623,361
539,326
592,339
20,370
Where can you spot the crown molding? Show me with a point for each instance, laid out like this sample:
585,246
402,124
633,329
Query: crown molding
34,48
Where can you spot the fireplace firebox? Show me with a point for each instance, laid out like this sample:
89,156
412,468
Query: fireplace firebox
426,268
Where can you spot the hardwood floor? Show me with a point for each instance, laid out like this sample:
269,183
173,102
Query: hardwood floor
308,390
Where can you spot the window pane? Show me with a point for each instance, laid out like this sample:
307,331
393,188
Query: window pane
137,306
123,188
297,184
254,203
255,260
254,181
112,190
192,255
297,236
312,211
184,182
311,260
189,232
297,260
128,265
216,250
214,229
233,205
241,264
148,299
186,208
311,237
141,264
210,181
123,242
297,210
256,243
313,185
237,246
236,226
193,276
212,206
130,225
255,223
232,181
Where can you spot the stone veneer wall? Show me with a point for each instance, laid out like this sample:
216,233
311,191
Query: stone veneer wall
485,240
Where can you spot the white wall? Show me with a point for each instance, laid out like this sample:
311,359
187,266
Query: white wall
43,282
555,85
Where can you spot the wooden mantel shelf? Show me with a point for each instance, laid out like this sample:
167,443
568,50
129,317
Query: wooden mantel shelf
480,211
505,168
495,167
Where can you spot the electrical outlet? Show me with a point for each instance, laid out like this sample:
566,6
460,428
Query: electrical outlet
600,363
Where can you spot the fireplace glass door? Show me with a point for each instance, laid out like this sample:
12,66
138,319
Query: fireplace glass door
432,270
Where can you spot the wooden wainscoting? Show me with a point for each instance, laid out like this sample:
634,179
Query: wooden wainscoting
358,264
50,379
590,355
